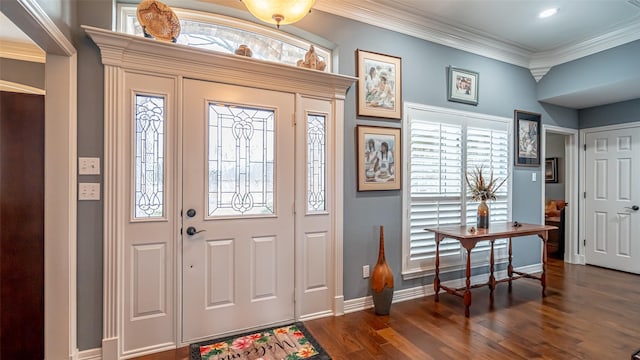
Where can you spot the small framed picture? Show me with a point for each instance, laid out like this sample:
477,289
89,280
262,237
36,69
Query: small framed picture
462,86
527,138
379,158
551,170
380,85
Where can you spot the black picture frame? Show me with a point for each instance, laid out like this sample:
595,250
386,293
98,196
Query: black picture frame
527,138
462,86
551,170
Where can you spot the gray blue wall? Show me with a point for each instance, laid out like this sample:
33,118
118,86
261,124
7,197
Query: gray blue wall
618,113
503,88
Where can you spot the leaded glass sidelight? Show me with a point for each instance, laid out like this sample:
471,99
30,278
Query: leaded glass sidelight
241,160
316,163
149,156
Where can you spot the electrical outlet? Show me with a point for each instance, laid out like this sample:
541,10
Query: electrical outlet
365,271
89,191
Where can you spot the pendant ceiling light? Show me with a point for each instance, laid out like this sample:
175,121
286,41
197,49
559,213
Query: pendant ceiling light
279,12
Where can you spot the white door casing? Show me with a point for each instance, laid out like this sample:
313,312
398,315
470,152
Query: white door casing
612,163
238,269
124,55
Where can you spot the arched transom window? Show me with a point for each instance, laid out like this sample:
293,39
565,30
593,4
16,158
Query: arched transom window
226,34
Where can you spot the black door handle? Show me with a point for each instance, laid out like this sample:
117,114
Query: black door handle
192,231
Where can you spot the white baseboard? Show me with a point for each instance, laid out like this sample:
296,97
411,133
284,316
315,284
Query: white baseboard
318,315
92,354
366,302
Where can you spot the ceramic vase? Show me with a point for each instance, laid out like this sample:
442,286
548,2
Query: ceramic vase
483,215
382,281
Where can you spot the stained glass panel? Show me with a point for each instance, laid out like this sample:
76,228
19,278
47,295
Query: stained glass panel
241,160
316,163
149,156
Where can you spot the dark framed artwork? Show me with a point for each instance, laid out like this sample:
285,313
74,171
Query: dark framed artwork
462,86
551,170
379,158
380,85
527,138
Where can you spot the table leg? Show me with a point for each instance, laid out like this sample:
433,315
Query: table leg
510,266
543,276
492,278
467,291
436,279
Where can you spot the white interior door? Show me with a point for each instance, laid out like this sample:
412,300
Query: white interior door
612,224
238,176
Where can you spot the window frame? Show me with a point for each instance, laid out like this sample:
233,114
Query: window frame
124,10
412,269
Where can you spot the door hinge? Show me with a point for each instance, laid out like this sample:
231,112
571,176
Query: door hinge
293,119
584,195
584,242
585,147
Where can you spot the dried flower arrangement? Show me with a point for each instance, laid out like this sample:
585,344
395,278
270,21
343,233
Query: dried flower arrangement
481,189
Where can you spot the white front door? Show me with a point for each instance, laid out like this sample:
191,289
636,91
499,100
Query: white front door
612,219
238,198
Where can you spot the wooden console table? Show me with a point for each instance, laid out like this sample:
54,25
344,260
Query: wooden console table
468,240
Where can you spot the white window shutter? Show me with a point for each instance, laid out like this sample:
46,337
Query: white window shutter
442,146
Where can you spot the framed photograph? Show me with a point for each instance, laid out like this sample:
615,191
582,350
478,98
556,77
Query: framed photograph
551,170
527,138
379,86
379,158
462,86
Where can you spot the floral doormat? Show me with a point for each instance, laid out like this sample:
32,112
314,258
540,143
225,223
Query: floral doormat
291,342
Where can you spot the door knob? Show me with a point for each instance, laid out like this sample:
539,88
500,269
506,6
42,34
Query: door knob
634,208
191,213
192,231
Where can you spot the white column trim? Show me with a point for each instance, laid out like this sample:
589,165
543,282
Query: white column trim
338,200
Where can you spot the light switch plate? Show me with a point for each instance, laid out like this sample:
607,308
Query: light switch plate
88,166
533,176
89,191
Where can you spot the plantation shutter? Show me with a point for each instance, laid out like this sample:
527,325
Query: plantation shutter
442,146
436,185
488,147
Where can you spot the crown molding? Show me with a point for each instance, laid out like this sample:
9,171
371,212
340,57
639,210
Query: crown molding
480,44
620,36
427,29
22,51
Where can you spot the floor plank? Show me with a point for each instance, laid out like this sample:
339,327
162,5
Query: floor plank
588,313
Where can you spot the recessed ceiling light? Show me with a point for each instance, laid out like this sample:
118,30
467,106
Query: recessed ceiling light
547,13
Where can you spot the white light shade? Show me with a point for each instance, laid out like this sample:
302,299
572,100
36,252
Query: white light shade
547,13
279,12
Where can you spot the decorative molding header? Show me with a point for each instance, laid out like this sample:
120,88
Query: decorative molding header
135,52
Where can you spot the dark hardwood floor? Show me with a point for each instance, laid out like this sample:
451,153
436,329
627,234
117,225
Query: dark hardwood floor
588,313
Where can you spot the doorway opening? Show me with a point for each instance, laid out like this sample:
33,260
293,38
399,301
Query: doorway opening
560,191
